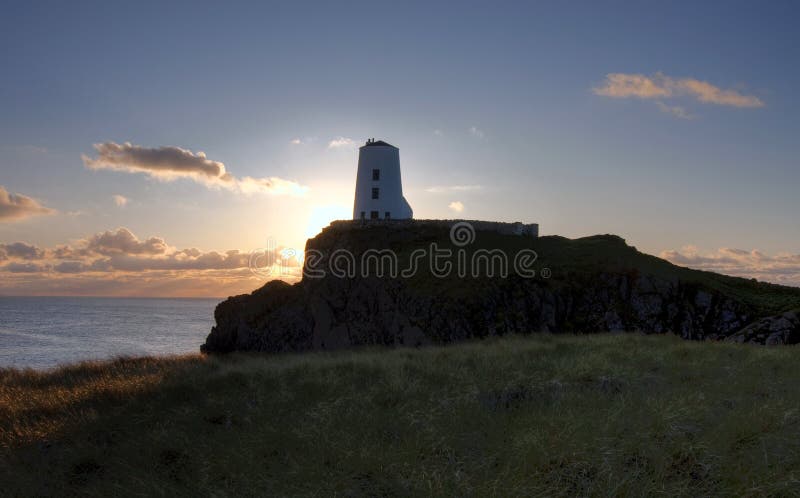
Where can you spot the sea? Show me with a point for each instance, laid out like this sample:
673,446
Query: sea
46,332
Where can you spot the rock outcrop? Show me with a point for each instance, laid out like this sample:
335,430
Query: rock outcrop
585,285
772,330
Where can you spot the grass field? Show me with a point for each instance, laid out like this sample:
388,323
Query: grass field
539,415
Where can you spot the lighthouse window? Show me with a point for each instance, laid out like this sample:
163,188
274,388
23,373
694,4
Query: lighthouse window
376,193
376,175
374,215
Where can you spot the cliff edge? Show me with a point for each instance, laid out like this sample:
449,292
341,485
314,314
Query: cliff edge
413,283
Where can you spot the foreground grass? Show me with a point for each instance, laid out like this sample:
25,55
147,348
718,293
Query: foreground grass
543,415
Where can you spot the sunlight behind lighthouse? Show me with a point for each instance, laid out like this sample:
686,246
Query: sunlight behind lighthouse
322,216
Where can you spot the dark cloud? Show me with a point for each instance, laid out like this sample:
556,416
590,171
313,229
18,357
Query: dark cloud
24,268
20,250
163,162
170,163
71,267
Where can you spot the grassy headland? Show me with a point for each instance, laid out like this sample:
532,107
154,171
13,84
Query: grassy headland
539,415
568,259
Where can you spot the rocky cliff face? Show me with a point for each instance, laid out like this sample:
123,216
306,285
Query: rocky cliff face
595,284
772,330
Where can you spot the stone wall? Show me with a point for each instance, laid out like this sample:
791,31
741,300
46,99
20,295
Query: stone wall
516,228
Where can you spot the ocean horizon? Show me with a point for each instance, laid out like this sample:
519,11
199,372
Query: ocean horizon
47,332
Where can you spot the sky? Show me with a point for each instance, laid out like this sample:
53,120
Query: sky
147,149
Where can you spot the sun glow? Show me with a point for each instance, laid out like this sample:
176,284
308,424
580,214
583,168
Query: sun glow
322,216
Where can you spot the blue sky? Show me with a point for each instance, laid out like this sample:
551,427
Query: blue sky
499,97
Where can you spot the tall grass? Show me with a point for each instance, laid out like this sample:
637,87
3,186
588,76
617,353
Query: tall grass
539,415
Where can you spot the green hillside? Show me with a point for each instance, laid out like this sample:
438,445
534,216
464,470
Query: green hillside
610,252
544,415
566,258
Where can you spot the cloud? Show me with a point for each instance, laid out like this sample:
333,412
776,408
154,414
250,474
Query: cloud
120,200
15,207
438,132
341,142
71,267
710,94
23,268
123,241
477,133
117,262
661,86
271,185
165,163
189,259
452,188
209,284
780,268
677,111
20,250
171,163
456,206
179,260
122,250
620,85
296,141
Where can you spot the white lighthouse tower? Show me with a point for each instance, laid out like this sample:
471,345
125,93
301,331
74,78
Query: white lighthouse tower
379,189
